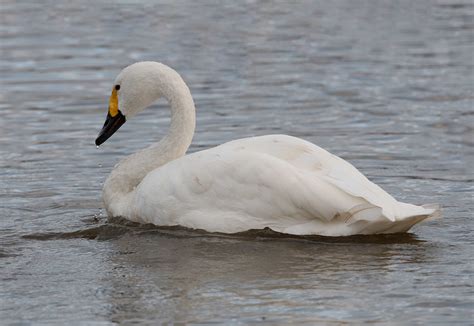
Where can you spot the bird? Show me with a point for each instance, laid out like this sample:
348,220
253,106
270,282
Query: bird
277,182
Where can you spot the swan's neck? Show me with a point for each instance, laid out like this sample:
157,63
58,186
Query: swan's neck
127,175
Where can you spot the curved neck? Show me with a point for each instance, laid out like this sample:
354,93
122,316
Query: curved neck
183,123
131,170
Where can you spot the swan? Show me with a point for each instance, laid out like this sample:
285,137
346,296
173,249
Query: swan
276,181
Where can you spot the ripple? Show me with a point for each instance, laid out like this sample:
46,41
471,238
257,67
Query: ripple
387,87
119,227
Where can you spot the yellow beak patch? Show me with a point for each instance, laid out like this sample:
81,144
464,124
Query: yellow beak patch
113,103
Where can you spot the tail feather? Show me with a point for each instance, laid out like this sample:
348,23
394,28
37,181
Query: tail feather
412,216
436,212
431,212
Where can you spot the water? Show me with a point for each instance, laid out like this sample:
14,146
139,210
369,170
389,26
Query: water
387,86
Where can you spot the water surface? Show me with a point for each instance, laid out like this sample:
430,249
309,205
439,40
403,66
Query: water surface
387,86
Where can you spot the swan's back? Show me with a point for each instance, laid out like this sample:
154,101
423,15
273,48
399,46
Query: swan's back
276,181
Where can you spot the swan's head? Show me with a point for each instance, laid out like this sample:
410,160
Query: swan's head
136,87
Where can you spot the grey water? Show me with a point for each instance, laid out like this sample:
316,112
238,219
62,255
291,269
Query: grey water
387,85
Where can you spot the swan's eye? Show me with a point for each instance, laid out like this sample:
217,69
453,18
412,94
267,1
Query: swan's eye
117,87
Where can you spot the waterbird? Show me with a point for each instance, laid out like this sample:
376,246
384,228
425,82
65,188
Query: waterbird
276,181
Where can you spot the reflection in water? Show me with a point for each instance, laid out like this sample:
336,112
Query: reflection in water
177,274
192,278
387,87
117,227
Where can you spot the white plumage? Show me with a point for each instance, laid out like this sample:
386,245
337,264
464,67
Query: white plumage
276,181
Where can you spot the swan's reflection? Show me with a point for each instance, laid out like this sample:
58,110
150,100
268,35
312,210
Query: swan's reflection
178,275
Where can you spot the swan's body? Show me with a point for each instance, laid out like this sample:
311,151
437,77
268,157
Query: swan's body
276,181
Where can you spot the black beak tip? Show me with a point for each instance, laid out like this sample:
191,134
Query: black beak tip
111,125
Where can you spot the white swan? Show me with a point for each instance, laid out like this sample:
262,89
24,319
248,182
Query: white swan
276,181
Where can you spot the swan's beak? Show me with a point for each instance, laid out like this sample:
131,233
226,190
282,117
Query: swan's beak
111,125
